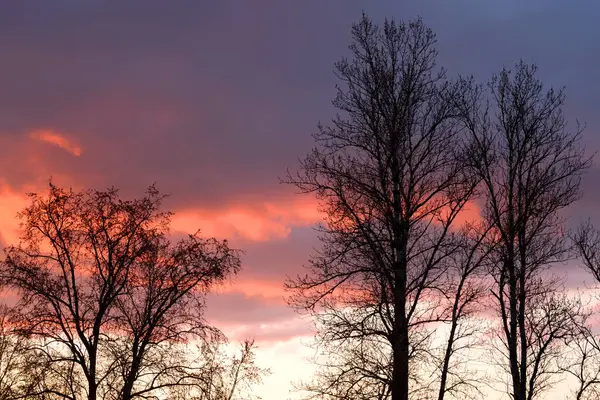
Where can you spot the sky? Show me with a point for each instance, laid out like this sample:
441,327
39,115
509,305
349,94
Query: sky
214,100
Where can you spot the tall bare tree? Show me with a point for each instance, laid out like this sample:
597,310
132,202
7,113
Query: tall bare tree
389,174
105,298
530,165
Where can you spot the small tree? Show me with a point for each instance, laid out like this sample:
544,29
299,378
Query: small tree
106,300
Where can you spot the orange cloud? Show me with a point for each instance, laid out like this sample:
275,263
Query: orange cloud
269,221
57,139
470,213
11,203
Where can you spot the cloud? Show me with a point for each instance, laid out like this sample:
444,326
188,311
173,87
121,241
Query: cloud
289,361
11,202
256,223
269,290
233,309
275,331
57,139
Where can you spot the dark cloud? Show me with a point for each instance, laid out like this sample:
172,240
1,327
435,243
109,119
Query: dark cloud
276,260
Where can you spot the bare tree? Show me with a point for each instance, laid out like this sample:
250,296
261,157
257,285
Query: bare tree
351,369
240,373
465,289
16,379
104,297
586,240
389,175
582,362
358,365
10,355
585,352
553,321
221,375
530,165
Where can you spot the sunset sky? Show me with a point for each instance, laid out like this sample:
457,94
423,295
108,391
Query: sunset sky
213,100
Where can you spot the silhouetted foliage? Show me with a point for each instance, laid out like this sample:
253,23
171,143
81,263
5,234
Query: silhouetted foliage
405,155
107,303
390,175
18,374
584,357
530,165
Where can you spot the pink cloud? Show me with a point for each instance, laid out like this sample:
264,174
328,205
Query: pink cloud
264,222
11,202
57,139
269,290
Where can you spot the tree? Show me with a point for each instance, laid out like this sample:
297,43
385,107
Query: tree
582,361
585,352
389,174
230,377
357,365
466,289
530,165
586,240
16,377
106,301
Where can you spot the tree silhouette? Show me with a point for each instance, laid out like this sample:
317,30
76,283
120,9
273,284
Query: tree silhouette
530,166
107,302
584,358
390,176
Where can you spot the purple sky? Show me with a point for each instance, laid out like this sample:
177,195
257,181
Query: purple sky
213,100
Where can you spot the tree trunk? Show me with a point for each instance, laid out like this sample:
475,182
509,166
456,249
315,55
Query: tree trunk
130,380
400,343
513,340
450,343
522,324
92,389
401,348
446,365
92,385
